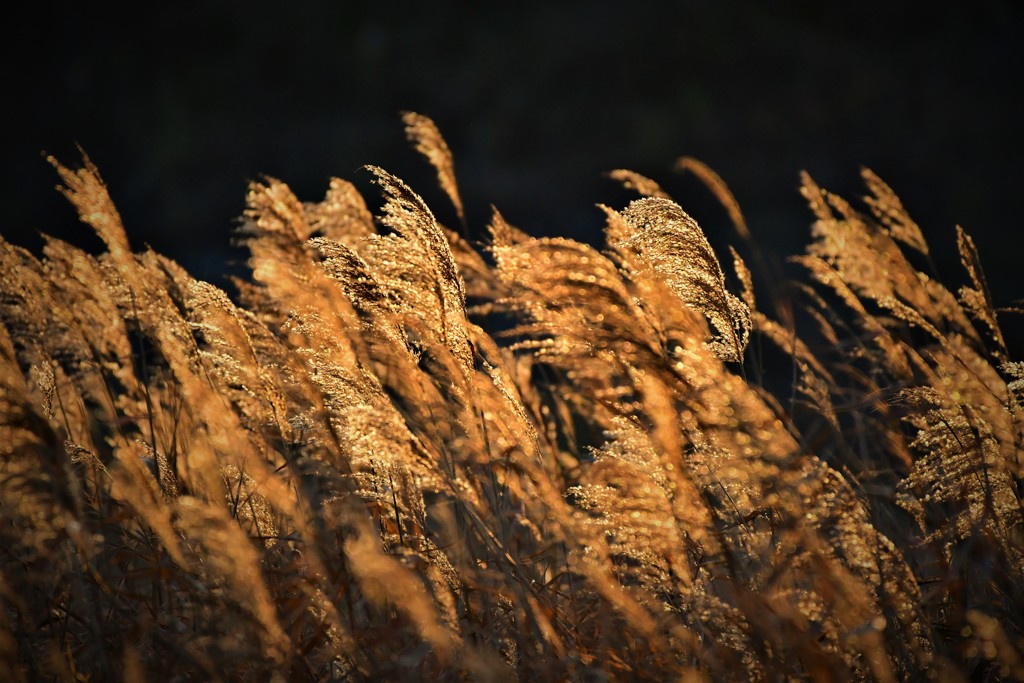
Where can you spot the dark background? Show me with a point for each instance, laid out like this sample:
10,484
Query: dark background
181,104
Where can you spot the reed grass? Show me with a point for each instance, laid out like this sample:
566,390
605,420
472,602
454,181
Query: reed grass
391,455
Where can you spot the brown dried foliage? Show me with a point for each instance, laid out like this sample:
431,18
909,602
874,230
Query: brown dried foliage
340,474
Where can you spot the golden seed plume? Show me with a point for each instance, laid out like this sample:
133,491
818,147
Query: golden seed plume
714,182
428,140
638,183
674,246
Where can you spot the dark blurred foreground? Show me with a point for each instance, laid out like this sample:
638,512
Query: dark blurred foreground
185,105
